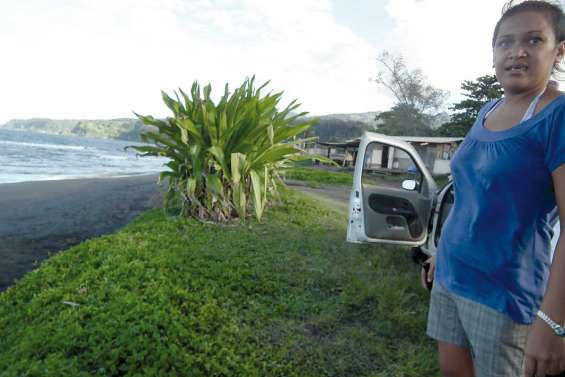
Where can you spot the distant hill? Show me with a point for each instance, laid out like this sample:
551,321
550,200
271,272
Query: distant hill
42,125
333,127
340,127
367,118
124,129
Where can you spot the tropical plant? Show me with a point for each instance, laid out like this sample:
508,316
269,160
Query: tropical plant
225,158
477,93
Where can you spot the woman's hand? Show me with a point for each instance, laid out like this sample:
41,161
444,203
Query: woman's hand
545,352
427,278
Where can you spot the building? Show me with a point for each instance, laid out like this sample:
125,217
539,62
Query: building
436,152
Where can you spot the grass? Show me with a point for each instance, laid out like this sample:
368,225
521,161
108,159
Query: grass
175,297
441,180
315,177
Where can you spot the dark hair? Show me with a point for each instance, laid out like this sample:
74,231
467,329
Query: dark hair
552,11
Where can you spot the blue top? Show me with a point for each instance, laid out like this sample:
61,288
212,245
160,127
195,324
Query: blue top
495,245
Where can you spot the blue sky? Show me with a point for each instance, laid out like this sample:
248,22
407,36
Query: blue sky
108,58
366,18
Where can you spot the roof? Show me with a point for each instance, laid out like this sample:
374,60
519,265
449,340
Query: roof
348,143
408,139
431,140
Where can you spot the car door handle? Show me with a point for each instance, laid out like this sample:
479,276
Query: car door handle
396,227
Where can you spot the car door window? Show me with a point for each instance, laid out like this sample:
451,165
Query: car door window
388,166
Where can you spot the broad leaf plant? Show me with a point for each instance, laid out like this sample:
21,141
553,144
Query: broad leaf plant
225,159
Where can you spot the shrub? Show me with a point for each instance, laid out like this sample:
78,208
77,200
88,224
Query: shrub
225,158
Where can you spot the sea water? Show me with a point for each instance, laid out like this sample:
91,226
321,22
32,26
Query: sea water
27,156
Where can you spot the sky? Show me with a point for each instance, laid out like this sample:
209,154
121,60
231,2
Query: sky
103,59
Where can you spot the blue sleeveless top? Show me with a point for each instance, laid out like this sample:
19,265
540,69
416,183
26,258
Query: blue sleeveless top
495,245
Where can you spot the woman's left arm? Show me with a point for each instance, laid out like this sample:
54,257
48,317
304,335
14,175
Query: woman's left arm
545,351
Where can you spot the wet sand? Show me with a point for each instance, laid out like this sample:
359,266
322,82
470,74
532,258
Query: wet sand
41,218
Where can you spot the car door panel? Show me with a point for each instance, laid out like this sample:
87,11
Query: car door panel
401,220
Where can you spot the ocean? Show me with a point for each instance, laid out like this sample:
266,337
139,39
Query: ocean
27,156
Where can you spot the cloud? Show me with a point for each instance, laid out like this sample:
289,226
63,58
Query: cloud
449,40
106,58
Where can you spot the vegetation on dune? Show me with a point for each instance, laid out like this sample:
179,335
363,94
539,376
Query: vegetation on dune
225,158
177,297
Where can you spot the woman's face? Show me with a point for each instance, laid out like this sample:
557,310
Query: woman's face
525,51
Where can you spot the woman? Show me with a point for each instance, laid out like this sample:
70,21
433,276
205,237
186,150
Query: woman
493,271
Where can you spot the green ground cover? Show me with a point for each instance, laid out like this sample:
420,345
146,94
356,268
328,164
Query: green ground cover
176,297
441,180
316,177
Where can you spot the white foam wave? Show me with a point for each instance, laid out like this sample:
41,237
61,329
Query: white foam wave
41,145
39,177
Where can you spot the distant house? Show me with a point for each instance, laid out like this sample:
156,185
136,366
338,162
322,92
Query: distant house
436,152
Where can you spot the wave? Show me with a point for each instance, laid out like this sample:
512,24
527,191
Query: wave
18,178
46,146
32,157
114,157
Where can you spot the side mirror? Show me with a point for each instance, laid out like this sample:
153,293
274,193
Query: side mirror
409,184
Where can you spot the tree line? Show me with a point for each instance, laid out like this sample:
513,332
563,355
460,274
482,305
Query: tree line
417,103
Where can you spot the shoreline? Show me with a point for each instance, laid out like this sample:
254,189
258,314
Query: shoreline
70,178
40,218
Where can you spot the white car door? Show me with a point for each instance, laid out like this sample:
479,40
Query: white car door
393,193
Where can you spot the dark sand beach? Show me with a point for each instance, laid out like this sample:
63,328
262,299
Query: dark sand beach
39,218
